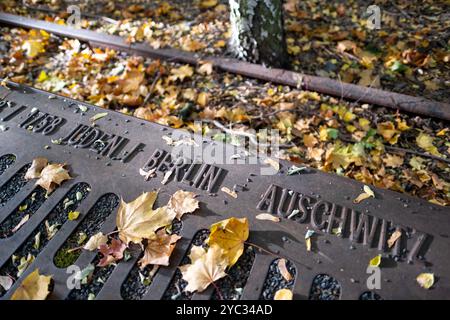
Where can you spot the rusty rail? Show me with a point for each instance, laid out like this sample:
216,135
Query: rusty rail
324,85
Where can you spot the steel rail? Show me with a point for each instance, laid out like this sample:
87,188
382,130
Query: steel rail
416,105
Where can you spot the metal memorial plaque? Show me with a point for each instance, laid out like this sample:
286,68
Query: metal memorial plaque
105,157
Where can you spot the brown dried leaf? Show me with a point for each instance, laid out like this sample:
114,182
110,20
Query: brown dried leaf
33,287
182,202
205,268
52,176
284,270
393,238
158,251
96,241
267,216
229,192
35,170
111,253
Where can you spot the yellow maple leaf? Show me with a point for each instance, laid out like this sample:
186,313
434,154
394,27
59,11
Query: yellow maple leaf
181,73
206,68
33,287
42,76
138,220
388,131
425,142
230,235
393,161
33,47
206,267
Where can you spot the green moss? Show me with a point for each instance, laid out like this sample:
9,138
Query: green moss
64,259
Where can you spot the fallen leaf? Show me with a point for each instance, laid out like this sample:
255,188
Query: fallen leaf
267,216
308,237
368,193
95,241
202,99
25,262
21,223
35,170
42,76
283,294
347,45
230,235
208,4
6,282
33,287
229,192
425,141
33,47
294,170
52,176
206,267
376,261
284,270
158,251
181,73
309,140
137,220
147,174
425,280
393,238
388,131
182,202
167,176
393,161
273,163
111,253
98,116
206,68
73,215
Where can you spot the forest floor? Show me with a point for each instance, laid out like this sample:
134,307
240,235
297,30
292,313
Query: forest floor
409,54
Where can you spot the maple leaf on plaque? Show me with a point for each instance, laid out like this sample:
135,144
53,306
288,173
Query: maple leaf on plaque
111,253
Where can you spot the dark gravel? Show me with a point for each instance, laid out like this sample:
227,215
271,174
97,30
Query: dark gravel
275,281
6,161
29,207
231,287
172,292
97,280
59,216
325,287
370,295
133,288
17,182
90,225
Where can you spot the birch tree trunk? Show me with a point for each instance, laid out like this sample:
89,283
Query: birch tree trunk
258,32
